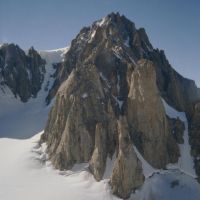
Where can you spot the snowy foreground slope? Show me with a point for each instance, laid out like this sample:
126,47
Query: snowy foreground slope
25,175
23,120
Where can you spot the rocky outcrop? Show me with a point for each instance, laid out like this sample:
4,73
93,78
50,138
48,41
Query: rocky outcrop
22,73
177,129
195,137
73,119
146,116
127,172
178,91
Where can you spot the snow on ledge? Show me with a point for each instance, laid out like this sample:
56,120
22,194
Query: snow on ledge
148,170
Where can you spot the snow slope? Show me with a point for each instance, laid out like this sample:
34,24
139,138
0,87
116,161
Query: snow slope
185,162
23,175
169,185
23,120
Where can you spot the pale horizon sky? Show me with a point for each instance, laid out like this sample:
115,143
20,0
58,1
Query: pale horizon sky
172,25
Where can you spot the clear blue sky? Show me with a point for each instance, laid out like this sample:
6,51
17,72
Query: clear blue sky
172,25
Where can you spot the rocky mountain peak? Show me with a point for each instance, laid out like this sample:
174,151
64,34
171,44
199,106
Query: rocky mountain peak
22,74
109,91
107,41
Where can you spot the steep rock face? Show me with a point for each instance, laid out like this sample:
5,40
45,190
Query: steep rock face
195,137
177,128
22,73
178,91
98,159
73,118
146,116
127,172
119,34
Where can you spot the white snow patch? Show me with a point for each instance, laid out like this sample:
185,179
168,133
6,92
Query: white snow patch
127,41
119,102
185,162
109,166
54,56
92,34
101,22
84,95
59,50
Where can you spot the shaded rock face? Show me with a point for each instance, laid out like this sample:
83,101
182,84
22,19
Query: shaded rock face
108,100
178,91
195,137
22,73
177,128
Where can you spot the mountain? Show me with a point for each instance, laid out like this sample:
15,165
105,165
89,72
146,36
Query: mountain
119,101
23,110
22,73
120,121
